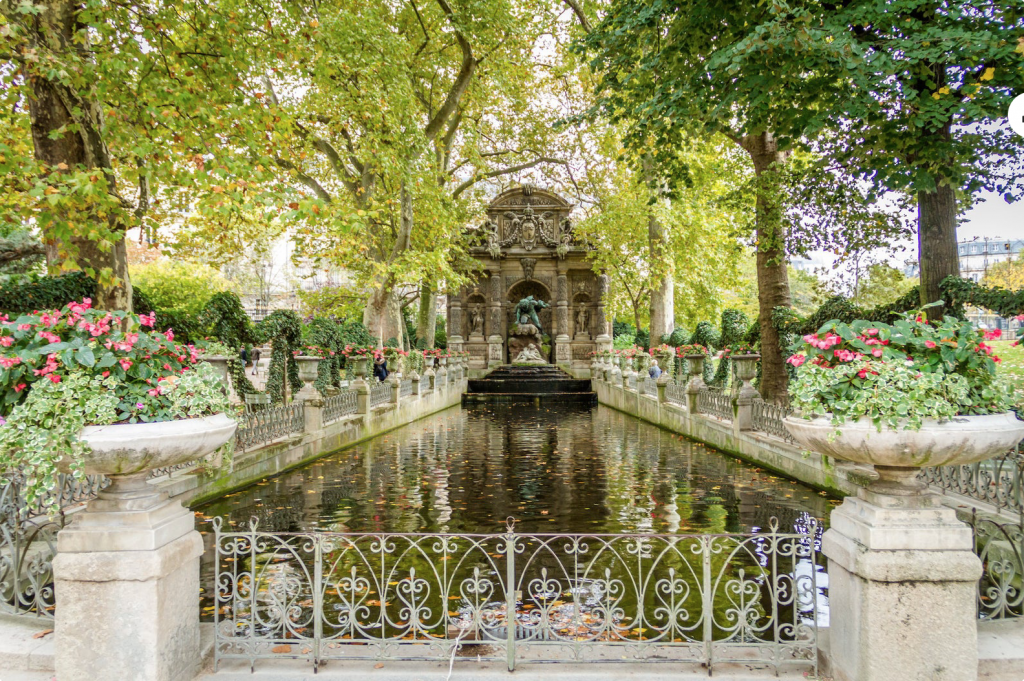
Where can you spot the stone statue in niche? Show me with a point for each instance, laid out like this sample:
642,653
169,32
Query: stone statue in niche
526,311
476,320
583,323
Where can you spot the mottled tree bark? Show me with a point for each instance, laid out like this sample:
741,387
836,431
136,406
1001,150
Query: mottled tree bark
426,320
51,108
772,277
936,240
662,280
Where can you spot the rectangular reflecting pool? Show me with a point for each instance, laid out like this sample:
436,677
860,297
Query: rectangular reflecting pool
568,469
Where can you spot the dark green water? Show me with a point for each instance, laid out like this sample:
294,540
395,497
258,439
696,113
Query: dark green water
554,469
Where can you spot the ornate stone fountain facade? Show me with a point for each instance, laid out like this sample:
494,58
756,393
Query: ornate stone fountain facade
526,247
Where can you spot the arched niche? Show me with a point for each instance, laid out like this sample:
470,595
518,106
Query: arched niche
523,289
475,313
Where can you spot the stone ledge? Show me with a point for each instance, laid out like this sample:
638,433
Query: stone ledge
128,566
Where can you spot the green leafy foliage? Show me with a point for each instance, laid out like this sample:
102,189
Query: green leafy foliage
46,293
224,318
284,329
64,369
897,374
962,292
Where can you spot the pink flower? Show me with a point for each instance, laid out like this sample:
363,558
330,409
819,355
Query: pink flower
797,360
8,362
52,337
155,391
148,319
169,335
18,388
996,359
846,355
993,334
24,327
877,352
6,341
79,308
167,367
105,374
871,332
54,378
125,363
929,344
810,338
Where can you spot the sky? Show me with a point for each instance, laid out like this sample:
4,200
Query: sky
994,219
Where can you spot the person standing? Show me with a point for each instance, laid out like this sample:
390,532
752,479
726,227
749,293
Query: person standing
655,370
255,361
244,356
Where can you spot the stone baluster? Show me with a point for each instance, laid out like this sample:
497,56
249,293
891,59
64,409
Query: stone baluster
696,382
743,392
604,339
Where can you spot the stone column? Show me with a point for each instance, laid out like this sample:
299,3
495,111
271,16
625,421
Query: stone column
563,351
696,382
495,346
902,587
415,378
127,583
396,388
604,339
455,339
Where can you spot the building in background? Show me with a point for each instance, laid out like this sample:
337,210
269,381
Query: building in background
977,255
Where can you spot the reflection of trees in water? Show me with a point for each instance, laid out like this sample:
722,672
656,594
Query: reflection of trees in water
556,469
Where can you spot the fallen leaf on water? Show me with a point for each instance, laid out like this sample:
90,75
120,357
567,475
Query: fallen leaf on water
40,634
379,665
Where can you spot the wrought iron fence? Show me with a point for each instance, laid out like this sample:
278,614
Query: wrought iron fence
28,541
649,386
630,381
715,401
1000,546
998,482
380,393
705,599
675,392
405,388
171,470
343,404
767,417
260,427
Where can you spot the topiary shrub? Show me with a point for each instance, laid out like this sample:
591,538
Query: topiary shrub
224,318
284,329
46,293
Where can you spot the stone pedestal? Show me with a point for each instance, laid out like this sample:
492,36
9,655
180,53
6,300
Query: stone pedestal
127,583
902,589
563,351
494,352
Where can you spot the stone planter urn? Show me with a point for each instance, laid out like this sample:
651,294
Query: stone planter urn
126,452
903,575
898,455
307,374
642,362
360,366
695,370
744,371
127,567
429,361
220,363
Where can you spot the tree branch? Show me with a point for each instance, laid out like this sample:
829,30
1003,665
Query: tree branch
479,177
306,179
461,80
574,5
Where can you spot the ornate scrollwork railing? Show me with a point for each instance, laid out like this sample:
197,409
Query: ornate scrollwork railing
767,417
705,599
675,392
260,427
344,403
405,388
28,540
715,401
380,393
648,386
998,482
1000,546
